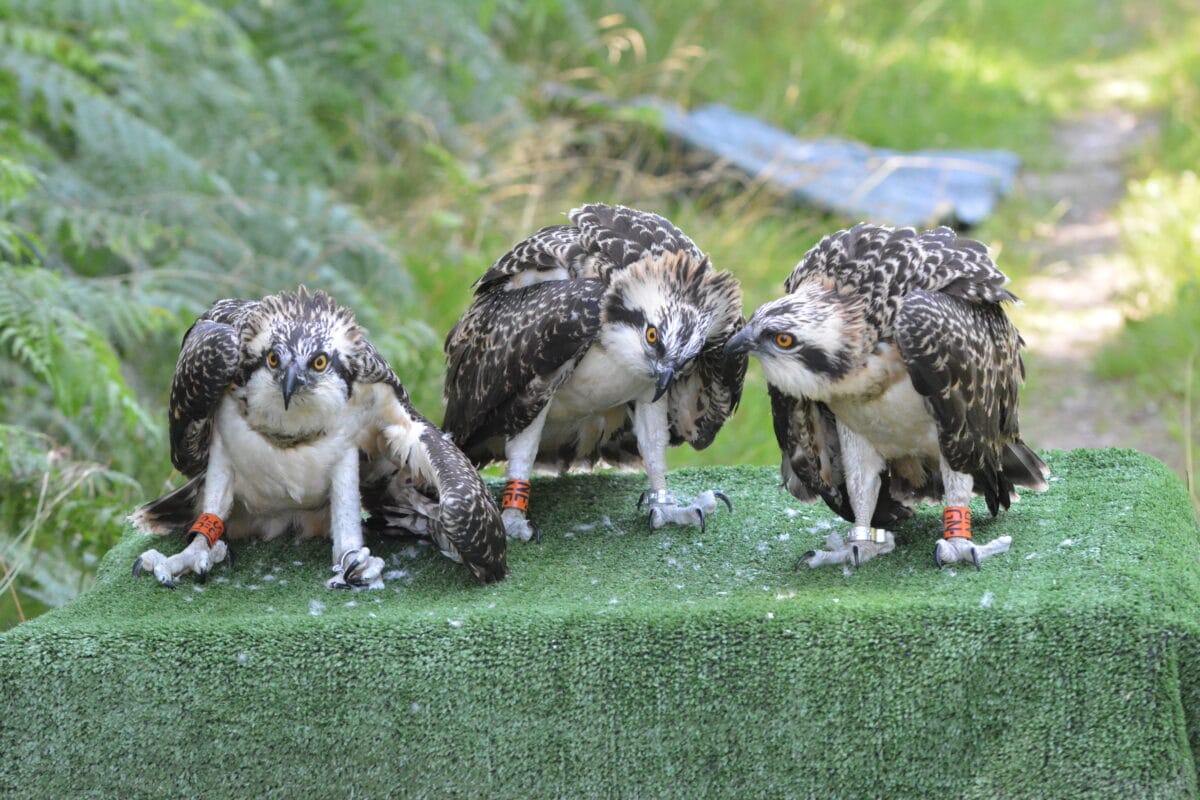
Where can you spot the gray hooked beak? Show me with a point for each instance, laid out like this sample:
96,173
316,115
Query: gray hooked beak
291,382
741,343
664,373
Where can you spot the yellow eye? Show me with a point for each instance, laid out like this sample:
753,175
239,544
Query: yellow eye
320,362
272,359
652,334
785,340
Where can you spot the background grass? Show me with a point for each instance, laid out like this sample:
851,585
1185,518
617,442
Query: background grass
159,155
615,662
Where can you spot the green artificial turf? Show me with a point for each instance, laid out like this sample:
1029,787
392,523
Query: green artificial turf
615,662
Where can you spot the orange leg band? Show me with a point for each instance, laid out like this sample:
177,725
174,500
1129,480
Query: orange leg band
956,522
516,495
209,526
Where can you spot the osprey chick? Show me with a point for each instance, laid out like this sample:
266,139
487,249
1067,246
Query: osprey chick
597,340
286,419
893,373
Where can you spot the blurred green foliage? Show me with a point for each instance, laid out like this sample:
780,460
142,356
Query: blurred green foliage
156,155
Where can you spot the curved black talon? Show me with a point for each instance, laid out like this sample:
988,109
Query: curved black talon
641,500
975,557
701,512
937,557
804,558
167,582
724,497
137,567
348,569
537,532
854,552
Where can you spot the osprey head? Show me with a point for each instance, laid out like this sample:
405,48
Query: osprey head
805,341
660,312
300,345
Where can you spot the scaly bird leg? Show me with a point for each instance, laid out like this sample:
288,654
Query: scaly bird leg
521,453
651,426
956,543
353,564
863,465
205,546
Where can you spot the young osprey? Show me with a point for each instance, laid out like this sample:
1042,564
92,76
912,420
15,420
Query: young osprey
598,340
893,374
287,419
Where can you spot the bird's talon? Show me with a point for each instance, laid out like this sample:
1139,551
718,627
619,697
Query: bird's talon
700,511
137,567
975,557
725,498
537,532
857,557
641,501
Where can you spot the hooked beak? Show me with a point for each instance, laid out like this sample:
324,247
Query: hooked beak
291,382
663,375
740,344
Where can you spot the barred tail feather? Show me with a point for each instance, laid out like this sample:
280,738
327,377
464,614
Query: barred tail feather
171,513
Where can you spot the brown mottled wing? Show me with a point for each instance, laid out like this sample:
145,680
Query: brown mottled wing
811,465
510,352
964,358
553,252
209,359
468,524
700,403
623,235
812,459
886,264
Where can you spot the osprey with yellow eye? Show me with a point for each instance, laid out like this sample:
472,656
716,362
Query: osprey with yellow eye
287,420
596,341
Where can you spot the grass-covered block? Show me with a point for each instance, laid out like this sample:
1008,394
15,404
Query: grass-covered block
616,662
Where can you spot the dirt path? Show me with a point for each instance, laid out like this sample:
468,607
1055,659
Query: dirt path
1072,303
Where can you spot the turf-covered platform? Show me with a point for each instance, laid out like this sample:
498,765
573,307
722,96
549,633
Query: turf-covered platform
619,663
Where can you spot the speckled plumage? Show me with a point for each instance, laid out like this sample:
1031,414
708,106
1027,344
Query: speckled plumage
404,459
876,313
546,303
601,340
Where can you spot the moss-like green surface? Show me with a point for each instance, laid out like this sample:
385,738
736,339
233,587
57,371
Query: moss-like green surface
621,663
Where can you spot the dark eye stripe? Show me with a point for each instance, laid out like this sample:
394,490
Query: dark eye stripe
618,312
820,361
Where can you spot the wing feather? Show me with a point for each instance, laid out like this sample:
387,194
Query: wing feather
624,235
964,356
467,525
209,359
701,402
510,352
885,264
553,253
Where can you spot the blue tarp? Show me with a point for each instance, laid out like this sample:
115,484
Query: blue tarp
849,178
